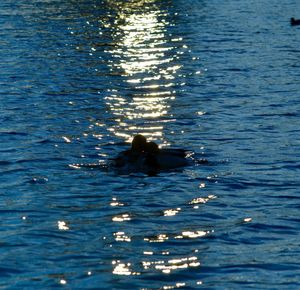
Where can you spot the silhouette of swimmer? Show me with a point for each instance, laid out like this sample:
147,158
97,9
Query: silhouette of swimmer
134,155
147,156
164,159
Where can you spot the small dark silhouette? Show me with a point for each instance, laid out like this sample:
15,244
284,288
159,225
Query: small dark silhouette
295,21
147,156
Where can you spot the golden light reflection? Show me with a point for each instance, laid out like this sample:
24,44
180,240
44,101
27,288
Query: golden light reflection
121,218
66,139
123,269
121,237
172,212
201,200
192,234
167,267
157,239
115,202
177,285
161,238
145,57
148,253
62,226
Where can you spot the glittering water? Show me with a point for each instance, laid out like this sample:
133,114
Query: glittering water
79,78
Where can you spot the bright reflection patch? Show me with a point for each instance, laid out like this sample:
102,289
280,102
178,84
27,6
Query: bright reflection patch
192,234
202,199
145,57
157,239
174,264
115,202
66,139
148,253
63,282
62,226
122,237
123,269
121,218
172,212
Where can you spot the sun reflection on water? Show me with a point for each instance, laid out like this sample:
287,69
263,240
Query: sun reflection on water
122,237
62,226
123,268
121,218
172,212
168,266
145,58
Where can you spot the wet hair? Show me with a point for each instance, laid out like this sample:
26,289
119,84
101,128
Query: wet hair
139,143
152,148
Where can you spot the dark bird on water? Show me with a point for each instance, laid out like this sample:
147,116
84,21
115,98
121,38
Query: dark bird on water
295,21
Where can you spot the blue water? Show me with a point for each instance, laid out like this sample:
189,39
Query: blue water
79,78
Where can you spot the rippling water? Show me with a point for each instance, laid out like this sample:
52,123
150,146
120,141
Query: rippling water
79,78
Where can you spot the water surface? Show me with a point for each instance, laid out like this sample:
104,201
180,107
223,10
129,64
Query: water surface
79,78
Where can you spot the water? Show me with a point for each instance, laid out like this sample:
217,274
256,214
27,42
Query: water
79,78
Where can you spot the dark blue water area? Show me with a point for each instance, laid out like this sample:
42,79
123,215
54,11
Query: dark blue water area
79,78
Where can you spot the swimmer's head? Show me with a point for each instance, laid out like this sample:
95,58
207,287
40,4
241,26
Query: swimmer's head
139,143
152,147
